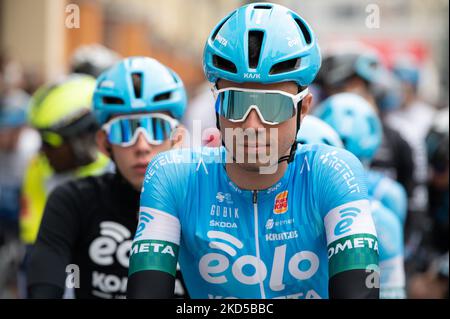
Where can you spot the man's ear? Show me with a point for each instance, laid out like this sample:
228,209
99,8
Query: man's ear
306,104
179,136
102,142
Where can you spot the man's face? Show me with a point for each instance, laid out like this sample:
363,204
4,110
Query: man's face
266,140
132,161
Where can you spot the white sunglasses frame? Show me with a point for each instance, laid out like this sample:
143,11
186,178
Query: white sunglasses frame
107,127
295,99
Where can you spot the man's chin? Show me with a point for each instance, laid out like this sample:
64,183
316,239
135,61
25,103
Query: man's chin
257,167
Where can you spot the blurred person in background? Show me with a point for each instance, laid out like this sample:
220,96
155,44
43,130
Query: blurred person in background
412,108
358,126
413,119
398,157
359,71
89,222
18,143
438,185
61,113
435,244
387,223
360,129
92,59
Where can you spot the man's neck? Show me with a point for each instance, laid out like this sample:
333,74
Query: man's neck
254,180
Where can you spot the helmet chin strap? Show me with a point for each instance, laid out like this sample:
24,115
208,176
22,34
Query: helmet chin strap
289,158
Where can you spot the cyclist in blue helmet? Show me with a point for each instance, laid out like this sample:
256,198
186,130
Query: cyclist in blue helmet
294,224
361,71
315,131
387,223
138,103
359,128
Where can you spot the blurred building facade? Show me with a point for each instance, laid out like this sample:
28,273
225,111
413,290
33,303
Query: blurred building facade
174,31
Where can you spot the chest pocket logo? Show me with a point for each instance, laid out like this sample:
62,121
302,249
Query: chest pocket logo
281,203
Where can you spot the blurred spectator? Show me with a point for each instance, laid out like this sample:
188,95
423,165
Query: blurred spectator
413,120
61,112
92,59
438,185
17,145
359,70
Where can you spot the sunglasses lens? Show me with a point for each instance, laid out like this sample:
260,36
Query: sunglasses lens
124,130
274,107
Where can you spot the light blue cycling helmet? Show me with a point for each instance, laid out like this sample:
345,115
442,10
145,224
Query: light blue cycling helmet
138,84
355,121
284,47
339,67
315,131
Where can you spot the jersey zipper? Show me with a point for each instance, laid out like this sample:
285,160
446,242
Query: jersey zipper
258,254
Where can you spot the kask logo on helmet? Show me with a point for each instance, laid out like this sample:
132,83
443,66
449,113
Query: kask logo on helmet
252,75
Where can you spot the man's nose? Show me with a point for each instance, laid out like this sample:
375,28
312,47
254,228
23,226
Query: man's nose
253,121
141,144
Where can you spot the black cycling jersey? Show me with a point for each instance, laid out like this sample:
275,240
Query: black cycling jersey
86,233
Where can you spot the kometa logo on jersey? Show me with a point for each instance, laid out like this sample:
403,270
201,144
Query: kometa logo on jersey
281,203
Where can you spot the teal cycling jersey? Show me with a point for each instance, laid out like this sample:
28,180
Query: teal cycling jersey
389,192
286,241
391,262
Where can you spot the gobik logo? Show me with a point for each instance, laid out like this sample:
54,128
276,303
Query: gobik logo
213,266
281,203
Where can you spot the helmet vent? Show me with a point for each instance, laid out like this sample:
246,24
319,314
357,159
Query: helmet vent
305,31
137,84
224,64
285,66
162,97
255,39
216,31
112,100
263,7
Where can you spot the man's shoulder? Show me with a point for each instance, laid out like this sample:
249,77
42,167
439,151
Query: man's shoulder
85,188
183,161
321,154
